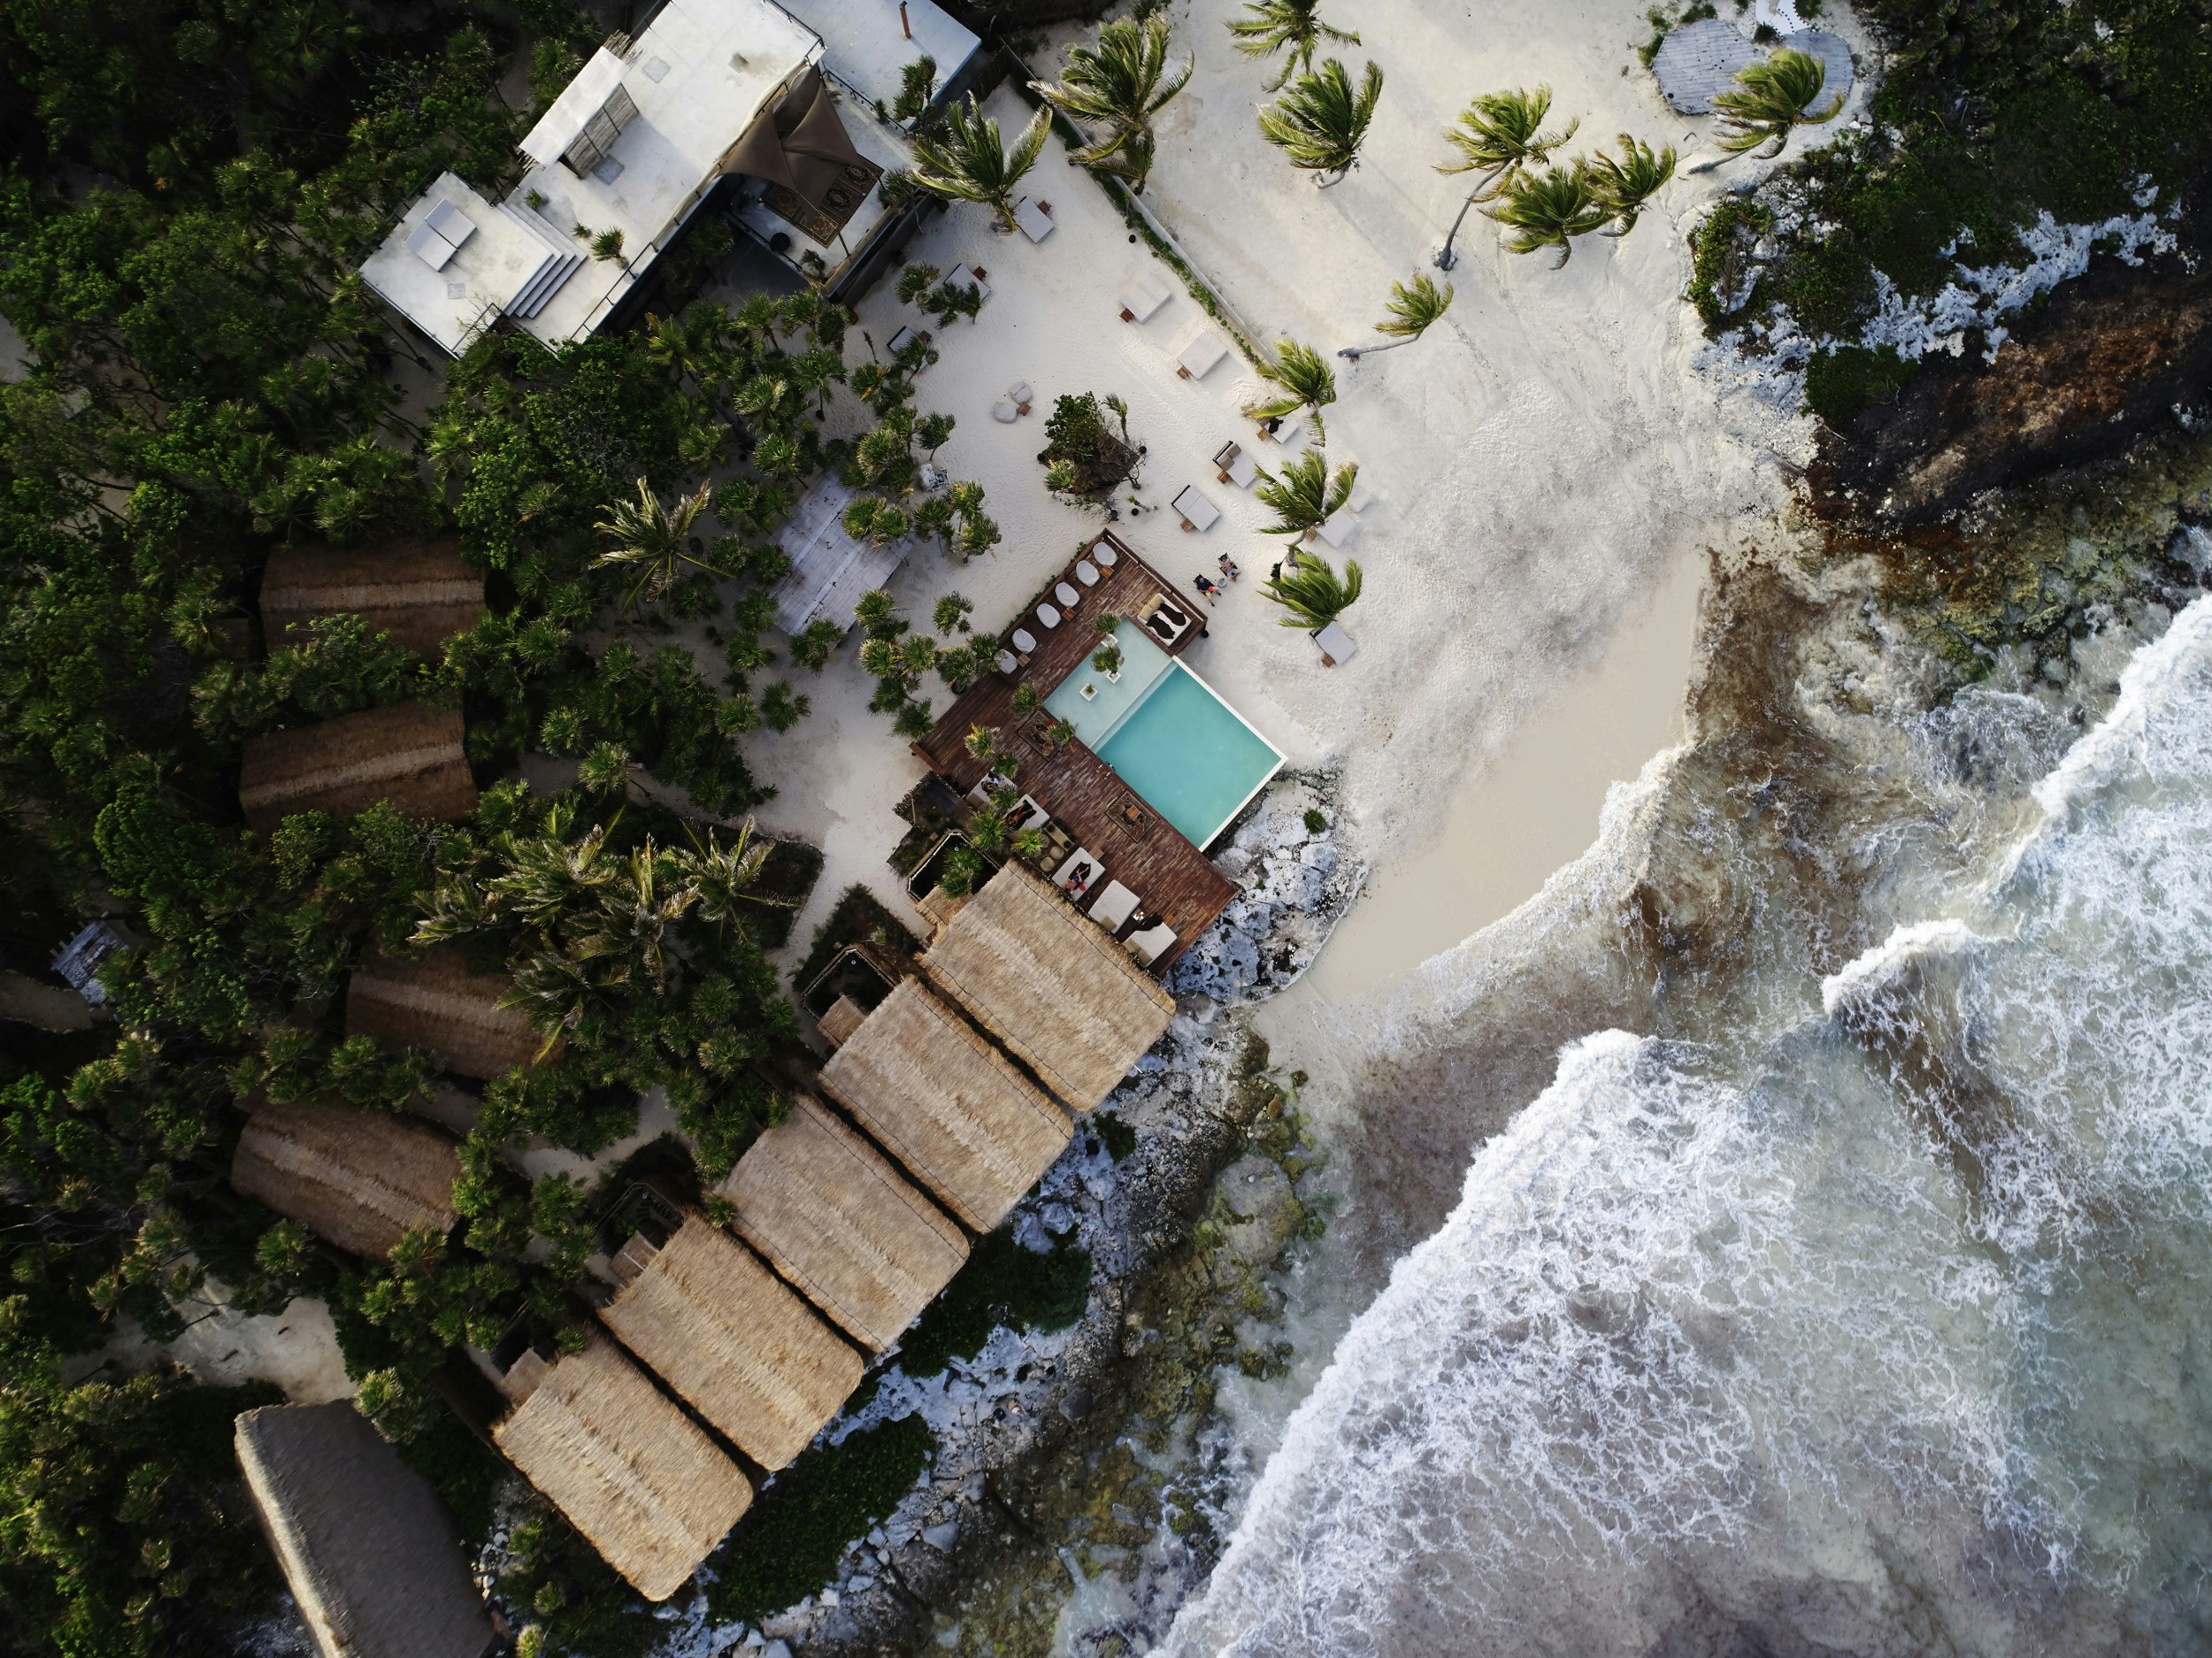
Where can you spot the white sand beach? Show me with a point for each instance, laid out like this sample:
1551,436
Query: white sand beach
1545,463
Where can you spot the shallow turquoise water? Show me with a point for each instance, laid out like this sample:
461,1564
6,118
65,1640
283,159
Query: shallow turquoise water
1094,716
1186,751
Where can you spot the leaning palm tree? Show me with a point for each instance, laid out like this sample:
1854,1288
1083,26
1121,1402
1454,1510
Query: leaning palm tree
1549,208
1321,122
1119,85
1307,382
654,539
723,877
1305,496
1499,135
1275,24
965,160
1314,594
1771,98
1622,187
1413,310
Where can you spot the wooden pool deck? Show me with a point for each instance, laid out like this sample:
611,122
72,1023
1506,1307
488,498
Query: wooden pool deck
1131,842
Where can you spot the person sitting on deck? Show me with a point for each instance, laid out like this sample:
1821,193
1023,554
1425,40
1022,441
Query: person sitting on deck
1078,879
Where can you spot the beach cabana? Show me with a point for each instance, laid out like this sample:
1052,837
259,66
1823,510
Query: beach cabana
749,1356
440,1004
946,1104
371,1556
836,1219
410,754
1050,985
644,1485
421,593
357,1178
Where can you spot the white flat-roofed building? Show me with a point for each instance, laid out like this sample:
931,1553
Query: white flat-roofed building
868,43
457,263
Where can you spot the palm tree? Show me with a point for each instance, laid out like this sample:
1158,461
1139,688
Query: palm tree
1120,85
1275,24
1622,187
1550,209
1313,594
654,538
1304,495
1412,311
1307,381
1775,97
965,160
1499,135
723,877
1321,122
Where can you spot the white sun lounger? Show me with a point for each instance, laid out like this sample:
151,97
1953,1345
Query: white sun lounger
1162,625
1115,906
1149,945
1047,615
1086,572
1067,871
1362,497
905,337
1068,596
1008,662
1233,465
967,276
1198,513
1106,555
1294,424
1023,640
1143,297
1337,528
1201,357
1337,646
1036,224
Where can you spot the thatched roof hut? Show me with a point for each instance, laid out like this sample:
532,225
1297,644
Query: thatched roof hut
1054,988
370,1553
358,1179
946,1104
421,593
410,754
833,1216
438,1002
724,1331
644,1485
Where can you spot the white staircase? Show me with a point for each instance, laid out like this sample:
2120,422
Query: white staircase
561,262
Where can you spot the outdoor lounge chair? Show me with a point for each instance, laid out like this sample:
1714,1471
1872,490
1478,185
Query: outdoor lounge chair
1143,297
1338,527
1362,497
1115,906
1023,641
1008,663
1233,465
1068,596
1004,413
967,276
1201,357
1034,218
1196,512
1337,646
1086,572
1047,615
1149,945
907,336
1105,553
1063,877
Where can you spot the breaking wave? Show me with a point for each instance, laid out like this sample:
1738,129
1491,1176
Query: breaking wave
1863,1322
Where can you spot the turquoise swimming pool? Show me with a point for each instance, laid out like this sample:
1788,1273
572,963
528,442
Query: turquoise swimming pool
1165,734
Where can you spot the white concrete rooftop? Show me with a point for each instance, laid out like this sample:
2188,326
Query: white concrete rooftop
866,47
454,262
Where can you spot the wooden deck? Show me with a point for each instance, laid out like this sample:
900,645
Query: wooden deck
1131,841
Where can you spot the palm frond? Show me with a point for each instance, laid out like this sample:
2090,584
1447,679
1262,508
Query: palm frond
1307,382
1623,186
1548,209
1769,98
1502,132
1320,122
1119,85
1414,307
1314,594
967,161
1275,24
1304,494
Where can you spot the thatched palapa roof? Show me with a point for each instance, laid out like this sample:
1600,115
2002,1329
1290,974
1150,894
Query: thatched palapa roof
651,1493
359,1178
1054,988
946,1104
410,754
370,1553
833,1216
725,1333
421,593
438,1002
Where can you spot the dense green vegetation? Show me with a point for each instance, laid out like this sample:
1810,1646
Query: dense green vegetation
791,1543
188,192
1002,1283
1992,111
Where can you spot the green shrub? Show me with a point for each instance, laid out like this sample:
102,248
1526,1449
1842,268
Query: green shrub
1719,247
1002,1283
798,1531
1317,820
1843,380
557,1581
860,917
1120,1139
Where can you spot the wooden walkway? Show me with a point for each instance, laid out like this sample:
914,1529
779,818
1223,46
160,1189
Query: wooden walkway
1132,842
